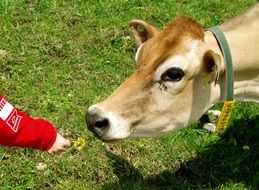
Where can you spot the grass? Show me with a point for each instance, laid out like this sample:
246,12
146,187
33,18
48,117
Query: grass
63,56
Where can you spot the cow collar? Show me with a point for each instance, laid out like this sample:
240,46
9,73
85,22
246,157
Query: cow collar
229,102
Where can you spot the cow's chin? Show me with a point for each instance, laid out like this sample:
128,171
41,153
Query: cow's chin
155,130
112,141
109,141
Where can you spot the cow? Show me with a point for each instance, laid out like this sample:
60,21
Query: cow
179,75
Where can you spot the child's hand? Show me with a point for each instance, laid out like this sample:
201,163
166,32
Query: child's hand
60,145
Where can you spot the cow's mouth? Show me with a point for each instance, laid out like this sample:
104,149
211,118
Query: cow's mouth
109,141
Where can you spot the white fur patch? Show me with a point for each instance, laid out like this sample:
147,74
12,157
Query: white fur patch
174,61
180,61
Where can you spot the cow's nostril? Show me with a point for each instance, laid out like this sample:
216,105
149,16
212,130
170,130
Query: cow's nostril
102,123
97,123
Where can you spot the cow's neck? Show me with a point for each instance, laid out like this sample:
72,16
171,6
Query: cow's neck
244,46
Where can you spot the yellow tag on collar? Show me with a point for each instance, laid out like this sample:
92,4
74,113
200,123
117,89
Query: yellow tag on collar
225,115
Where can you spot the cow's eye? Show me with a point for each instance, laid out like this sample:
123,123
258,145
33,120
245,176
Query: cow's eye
173,74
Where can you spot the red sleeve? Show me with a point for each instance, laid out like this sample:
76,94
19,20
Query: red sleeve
19,129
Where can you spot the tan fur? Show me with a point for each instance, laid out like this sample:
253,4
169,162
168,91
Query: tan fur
166,43
145,106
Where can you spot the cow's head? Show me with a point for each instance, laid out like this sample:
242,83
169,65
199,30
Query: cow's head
171,87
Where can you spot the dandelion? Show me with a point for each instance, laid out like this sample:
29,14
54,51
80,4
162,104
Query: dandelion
245,147
80,143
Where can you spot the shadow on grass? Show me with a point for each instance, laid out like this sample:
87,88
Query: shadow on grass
223,162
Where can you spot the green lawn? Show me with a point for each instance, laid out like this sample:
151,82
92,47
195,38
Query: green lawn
61,56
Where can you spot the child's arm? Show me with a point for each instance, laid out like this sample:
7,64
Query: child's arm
19,129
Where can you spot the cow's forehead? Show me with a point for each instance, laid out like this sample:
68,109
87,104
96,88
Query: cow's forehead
155,52
177,39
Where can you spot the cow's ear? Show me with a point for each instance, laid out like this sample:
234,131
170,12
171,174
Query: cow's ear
212,65
142,31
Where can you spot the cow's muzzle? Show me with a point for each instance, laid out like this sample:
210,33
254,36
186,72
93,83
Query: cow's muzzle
106,125
97,124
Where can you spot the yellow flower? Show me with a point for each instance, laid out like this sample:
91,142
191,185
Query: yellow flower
245,147
80,143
